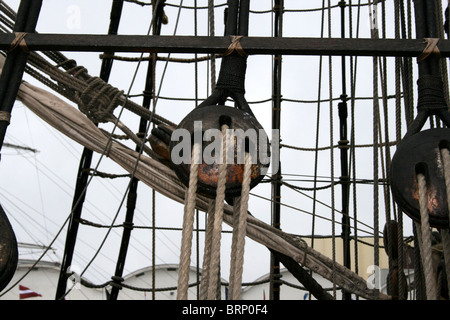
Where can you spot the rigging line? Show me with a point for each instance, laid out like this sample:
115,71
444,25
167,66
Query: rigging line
34,222
333,224
50,245
374,34
61,187
368,145
352,160
322,9
68,218
138,156
180,6
385,157
283,99
19,147
38,177
322,203
326,179
316,155
306,212
103,154
19,221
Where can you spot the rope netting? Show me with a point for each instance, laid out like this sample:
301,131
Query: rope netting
392,102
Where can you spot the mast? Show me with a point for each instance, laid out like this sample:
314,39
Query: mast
276,176
343,147
16,60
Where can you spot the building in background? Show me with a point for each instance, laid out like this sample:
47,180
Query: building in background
41,280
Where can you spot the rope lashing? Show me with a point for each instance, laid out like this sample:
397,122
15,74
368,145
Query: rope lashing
188,225
207,251
235,46
431,93
5,116
425,236
431,48
98,100
19,42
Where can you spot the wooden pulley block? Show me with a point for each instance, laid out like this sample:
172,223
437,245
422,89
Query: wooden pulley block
390,233
204,124
394,278
421,153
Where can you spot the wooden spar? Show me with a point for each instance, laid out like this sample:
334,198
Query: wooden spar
204,44
16,60
275,274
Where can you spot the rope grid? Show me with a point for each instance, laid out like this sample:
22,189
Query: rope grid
78,86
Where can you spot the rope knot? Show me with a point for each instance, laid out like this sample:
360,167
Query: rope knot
235,46
431,48
117,282
19,42
98,100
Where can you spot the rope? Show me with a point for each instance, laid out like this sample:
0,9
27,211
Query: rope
239,232
207,251
211,22
188,223
235,46
98,100
218,218
426,238
431,48
445,232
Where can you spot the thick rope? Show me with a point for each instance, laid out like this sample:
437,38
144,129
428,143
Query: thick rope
188,225
239,232
426,239
207,251
445,232
218,219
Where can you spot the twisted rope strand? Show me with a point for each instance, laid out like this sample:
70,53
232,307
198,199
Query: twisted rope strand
445,232
218,218
188,225
239,232
426,238
207,251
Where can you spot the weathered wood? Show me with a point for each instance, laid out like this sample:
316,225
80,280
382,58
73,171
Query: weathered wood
203,44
